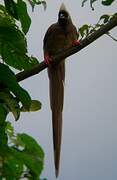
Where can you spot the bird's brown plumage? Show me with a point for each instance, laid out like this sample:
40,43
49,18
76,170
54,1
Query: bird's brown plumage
58,37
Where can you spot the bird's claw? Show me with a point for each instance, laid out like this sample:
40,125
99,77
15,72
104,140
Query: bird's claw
47,59
75,43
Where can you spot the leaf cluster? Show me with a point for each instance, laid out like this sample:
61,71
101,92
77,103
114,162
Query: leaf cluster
22,158
103,2
20,155
86,29
13,44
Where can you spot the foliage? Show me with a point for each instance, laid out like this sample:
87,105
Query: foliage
23,154
103,2
86,29
17,151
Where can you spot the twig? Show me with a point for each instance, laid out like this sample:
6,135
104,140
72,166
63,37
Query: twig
111,36
68,52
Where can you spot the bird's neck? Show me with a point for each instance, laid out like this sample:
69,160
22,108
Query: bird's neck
64,26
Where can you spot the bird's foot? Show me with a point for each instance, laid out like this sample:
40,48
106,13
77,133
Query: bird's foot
75,43
47,59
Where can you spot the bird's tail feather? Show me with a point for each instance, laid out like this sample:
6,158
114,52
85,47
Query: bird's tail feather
57,133
56,76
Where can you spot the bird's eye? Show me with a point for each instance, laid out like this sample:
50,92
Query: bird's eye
62,15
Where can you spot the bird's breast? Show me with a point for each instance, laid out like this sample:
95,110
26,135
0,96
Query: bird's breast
58,42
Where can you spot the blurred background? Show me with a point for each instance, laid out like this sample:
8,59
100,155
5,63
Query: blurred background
89,147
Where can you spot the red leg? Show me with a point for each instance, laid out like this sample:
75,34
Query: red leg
76,42
47,59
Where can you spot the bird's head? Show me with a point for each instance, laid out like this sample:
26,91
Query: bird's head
63,16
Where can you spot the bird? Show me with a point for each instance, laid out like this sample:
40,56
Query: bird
59,36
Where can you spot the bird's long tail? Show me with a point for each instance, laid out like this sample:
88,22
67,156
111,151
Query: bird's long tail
56,76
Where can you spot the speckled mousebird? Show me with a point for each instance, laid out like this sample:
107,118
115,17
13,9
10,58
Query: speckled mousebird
59,36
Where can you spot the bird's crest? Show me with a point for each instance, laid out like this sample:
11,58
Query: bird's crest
62,7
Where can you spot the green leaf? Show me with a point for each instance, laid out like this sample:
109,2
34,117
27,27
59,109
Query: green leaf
11,103
23,16
13,38
32,162
5,19
37,2
31,146
107,2
2,8
16,59
13,45
104,2
105,18
32,155
35,106
3,113
91,3
84,30
9,129
23,97
11,8
12,167
7,77
13,138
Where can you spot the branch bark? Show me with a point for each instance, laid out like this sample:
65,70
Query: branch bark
68,52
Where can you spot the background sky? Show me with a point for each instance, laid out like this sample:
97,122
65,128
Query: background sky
89,146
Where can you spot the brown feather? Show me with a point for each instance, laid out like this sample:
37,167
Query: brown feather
56,76
57,38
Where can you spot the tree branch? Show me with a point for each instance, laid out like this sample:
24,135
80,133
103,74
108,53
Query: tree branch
68,52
